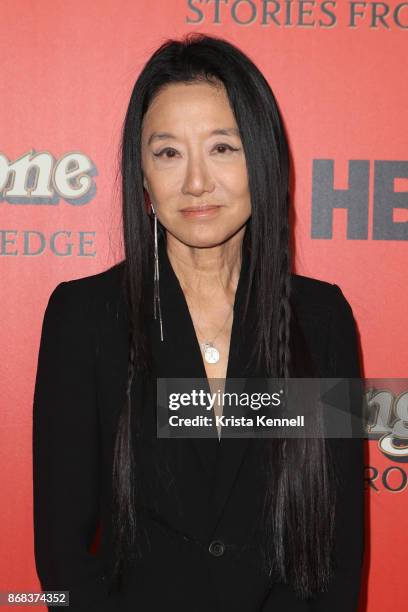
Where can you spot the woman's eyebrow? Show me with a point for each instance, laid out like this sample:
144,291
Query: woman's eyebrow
218,132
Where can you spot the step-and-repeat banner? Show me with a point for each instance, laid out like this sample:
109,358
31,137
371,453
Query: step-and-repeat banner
338,69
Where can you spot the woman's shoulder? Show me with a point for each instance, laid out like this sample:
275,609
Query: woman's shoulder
308,287
321,305
85,295
327,320
102,283
312,295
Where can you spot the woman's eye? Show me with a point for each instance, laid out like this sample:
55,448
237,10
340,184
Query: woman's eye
167,150
169,153
224,146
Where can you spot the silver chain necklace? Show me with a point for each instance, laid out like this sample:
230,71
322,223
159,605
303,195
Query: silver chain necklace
211,353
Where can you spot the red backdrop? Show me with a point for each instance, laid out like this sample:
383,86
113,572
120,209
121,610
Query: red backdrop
338,70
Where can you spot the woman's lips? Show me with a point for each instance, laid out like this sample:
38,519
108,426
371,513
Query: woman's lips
200,212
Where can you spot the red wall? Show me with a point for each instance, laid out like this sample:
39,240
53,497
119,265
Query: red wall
67,69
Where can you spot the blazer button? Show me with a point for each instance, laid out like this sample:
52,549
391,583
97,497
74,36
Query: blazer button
216,548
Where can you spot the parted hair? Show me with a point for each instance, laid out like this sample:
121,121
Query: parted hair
298,515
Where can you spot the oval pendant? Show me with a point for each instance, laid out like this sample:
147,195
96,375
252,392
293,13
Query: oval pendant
211,354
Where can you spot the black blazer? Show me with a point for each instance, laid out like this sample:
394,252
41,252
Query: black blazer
194,492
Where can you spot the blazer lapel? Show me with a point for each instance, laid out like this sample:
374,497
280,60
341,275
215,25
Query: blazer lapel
179,356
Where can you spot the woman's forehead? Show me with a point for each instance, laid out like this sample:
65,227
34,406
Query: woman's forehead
204,106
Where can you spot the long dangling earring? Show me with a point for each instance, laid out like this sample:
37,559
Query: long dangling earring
156,298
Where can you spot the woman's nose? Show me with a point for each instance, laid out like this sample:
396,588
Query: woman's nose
197,178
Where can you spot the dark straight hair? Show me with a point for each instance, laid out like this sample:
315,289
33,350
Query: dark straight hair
299,501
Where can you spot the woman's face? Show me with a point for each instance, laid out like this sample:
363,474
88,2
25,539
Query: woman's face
192,156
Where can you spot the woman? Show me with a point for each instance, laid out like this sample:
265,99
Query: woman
205,291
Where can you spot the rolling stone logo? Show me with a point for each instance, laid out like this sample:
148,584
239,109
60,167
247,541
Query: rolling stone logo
388,424
37,178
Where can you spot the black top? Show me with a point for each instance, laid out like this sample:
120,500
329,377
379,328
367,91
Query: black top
200,497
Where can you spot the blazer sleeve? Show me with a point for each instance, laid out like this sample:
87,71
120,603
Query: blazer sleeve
66,451
343,362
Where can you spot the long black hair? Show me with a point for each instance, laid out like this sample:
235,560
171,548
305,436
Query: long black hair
299,500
